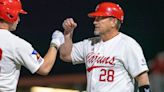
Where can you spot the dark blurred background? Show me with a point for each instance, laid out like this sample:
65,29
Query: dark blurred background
143,21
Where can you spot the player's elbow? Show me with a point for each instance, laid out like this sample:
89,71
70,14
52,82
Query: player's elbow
65,58
43,70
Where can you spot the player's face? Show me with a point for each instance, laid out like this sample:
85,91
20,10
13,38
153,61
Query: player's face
13,26
102,25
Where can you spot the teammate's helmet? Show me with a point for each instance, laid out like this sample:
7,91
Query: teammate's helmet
108,9
10,10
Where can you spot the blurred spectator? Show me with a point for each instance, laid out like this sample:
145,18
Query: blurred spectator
157,73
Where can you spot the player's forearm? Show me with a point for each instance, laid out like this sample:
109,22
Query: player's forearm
65,51
49,60
66,48
143,82
143,79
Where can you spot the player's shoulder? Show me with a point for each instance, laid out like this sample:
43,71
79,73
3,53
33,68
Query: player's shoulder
93,40
19,42
12,39
128,40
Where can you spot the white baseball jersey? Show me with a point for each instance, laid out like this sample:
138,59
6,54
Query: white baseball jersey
15,52
111,65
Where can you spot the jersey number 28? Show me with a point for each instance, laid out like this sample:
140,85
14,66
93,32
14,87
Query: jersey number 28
106,75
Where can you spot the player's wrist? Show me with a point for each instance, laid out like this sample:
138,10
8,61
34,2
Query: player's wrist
144,88
68,34
54,45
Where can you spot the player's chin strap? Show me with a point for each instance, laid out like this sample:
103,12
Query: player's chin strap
144,88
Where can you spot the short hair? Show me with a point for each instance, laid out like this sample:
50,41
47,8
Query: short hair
118,24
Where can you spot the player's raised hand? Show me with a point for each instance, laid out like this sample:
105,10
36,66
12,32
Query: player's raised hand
69,25
57,38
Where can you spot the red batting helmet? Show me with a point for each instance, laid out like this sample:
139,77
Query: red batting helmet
10,10
108,9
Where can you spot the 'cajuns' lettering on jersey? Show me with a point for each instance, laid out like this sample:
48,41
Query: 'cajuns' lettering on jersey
99,59
0,53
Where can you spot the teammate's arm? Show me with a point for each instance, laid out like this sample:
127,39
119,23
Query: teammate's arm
143,82
50,57
65,50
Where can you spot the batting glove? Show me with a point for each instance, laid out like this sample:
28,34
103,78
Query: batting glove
57,39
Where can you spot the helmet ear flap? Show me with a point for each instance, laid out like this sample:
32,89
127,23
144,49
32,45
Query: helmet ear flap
12,16
9,15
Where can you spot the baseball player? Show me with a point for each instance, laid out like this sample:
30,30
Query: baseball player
16,52
113,60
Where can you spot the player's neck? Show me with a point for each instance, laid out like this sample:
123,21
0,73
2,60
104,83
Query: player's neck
4,26
109,35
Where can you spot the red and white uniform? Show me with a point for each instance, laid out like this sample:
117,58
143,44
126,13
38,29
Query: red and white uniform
14,53
111,65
